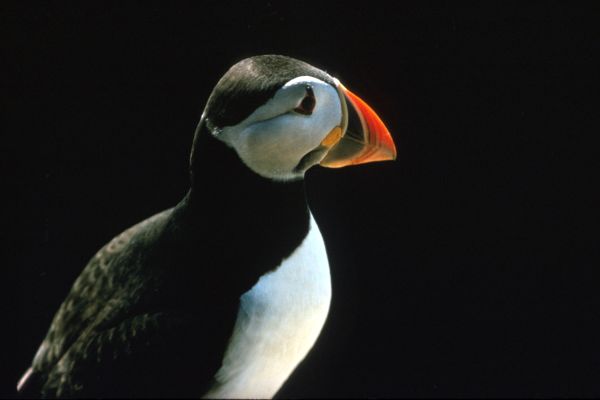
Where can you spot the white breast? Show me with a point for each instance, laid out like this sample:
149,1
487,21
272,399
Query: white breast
278,322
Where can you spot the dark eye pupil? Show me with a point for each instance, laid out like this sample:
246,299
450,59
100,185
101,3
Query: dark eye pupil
308,103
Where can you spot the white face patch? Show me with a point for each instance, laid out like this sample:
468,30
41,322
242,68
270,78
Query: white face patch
273,139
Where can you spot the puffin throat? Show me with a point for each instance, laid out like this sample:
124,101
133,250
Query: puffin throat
235,206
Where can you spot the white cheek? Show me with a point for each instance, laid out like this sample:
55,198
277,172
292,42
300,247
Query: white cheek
273,147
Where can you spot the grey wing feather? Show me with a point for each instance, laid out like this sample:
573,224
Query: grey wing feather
93,297
112,353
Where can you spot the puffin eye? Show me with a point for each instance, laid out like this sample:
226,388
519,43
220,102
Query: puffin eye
307,105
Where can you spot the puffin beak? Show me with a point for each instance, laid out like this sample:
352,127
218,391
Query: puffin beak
361,138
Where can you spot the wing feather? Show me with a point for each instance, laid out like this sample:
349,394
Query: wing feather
96,298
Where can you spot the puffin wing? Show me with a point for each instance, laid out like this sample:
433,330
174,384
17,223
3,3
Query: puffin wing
142,356
107,324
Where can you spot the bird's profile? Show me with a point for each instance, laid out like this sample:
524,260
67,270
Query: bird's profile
140,322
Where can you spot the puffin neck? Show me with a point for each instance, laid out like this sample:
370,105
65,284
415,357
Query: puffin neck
219,179
242,218
244,215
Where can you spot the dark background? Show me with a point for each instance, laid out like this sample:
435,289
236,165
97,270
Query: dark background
465,268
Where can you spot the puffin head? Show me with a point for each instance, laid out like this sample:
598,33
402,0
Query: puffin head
283,116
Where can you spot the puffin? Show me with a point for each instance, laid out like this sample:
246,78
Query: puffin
224,294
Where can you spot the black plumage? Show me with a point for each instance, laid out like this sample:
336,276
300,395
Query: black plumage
139,315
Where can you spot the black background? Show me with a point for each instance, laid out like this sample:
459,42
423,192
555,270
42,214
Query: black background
464,268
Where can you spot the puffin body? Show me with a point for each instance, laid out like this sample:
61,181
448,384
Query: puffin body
224,294
291,304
